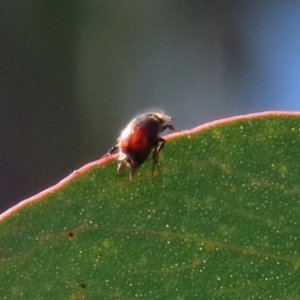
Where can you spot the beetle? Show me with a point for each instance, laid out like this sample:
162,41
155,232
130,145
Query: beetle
139,138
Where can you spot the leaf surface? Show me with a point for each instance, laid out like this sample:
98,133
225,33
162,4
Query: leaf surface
220,220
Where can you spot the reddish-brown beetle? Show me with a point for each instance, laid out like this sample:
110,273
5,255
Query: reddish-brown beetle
139,138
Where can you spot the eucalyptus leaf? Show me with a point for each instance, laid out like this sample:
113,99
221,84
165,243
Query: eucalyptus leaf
218,220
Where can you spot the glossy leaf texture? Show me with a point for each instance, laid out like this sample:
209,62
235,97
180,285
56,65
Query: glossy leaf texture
219,220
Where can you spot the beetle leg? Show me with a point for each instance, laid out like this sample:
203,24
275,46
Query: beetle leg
171,127
122,162
157,148
160,145
112,151
133,165
133,169
127,160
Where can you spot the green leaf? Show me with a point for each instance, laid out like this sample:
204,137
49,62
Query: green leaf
220,220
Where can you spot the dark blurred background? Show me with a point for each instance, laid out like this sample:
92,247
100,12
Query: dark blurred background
74,72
